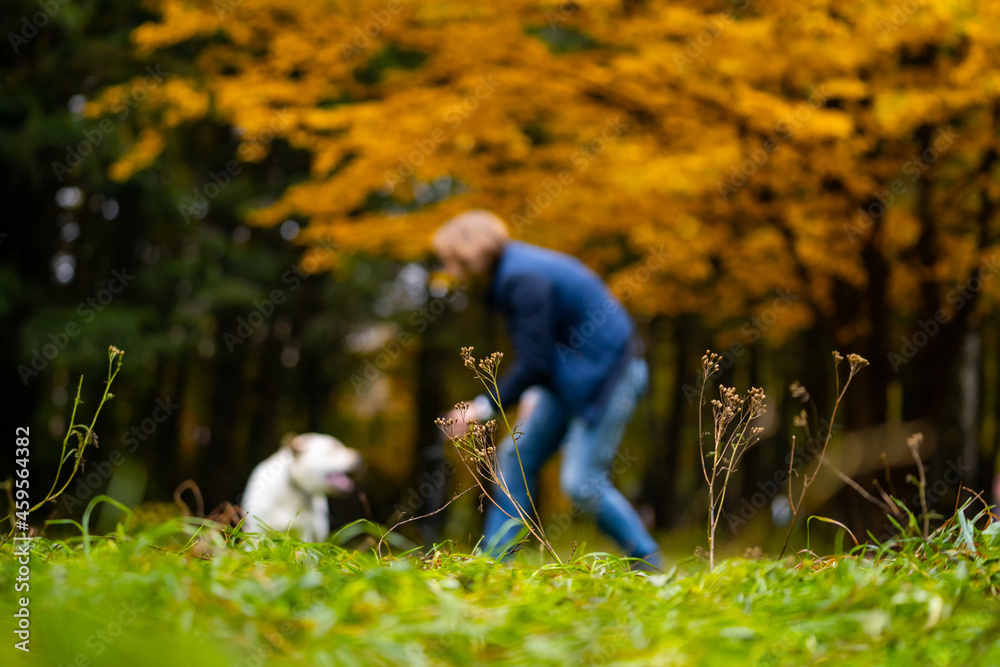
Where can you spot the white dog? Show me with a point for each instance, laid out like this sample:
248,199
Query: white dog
288,490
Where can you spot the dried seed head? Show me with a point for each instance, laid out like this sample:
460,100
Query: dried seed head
800,420
837,358
710,362
490,364
757,400
857,362
799,392
915,440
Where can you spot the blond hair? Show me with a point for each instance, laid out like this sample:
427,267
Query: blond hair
471,241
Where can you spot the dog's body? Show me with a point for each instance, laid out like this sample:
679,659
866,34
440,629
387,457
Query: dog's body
288,490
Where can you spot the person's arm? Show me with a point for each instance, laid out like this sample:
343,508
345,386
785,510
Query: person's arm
530,308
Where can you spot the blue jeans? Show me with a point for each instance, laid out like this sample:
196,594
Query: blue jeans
586,467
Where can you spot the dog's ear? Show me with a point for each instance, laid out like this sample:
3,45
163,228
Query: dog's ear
292,442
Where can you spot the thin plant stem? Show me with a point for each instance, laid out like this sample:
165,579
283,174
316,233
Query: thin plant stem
83,433
791,463
524,478
706,373
846,479
478,444
731,436
856,363
914,444
90,429
65,443
517,450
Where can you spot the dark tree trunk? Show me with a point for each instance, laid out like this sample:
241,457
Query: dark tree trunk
214,460
429,484
685,358
867,402
970,403
656,494
990,469
933,377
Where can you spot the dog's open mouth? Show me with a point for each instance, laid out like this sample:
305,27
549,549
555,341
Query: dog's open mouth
339,482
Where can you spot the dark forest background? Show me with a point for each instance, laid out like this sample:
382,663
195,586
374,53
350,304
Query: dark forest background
309,366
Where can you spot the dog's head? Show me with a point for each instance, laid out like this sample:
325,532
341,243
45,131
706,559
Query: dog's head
321,463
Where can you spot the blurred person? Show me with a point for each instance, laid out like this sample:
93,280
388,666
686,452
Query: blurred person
578,351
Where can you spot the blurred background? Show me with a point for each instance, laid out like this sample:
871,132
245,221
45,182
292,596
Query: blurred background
240,194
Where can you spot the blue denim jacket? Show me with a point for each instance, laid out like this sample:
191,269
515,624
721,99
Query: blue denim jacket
568,330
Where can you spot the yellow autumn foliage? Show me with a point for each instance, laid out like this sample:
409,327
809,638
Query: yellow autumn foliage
756,142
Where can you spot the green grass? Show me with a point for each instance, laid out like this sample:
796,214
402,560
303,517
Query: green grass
140,599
